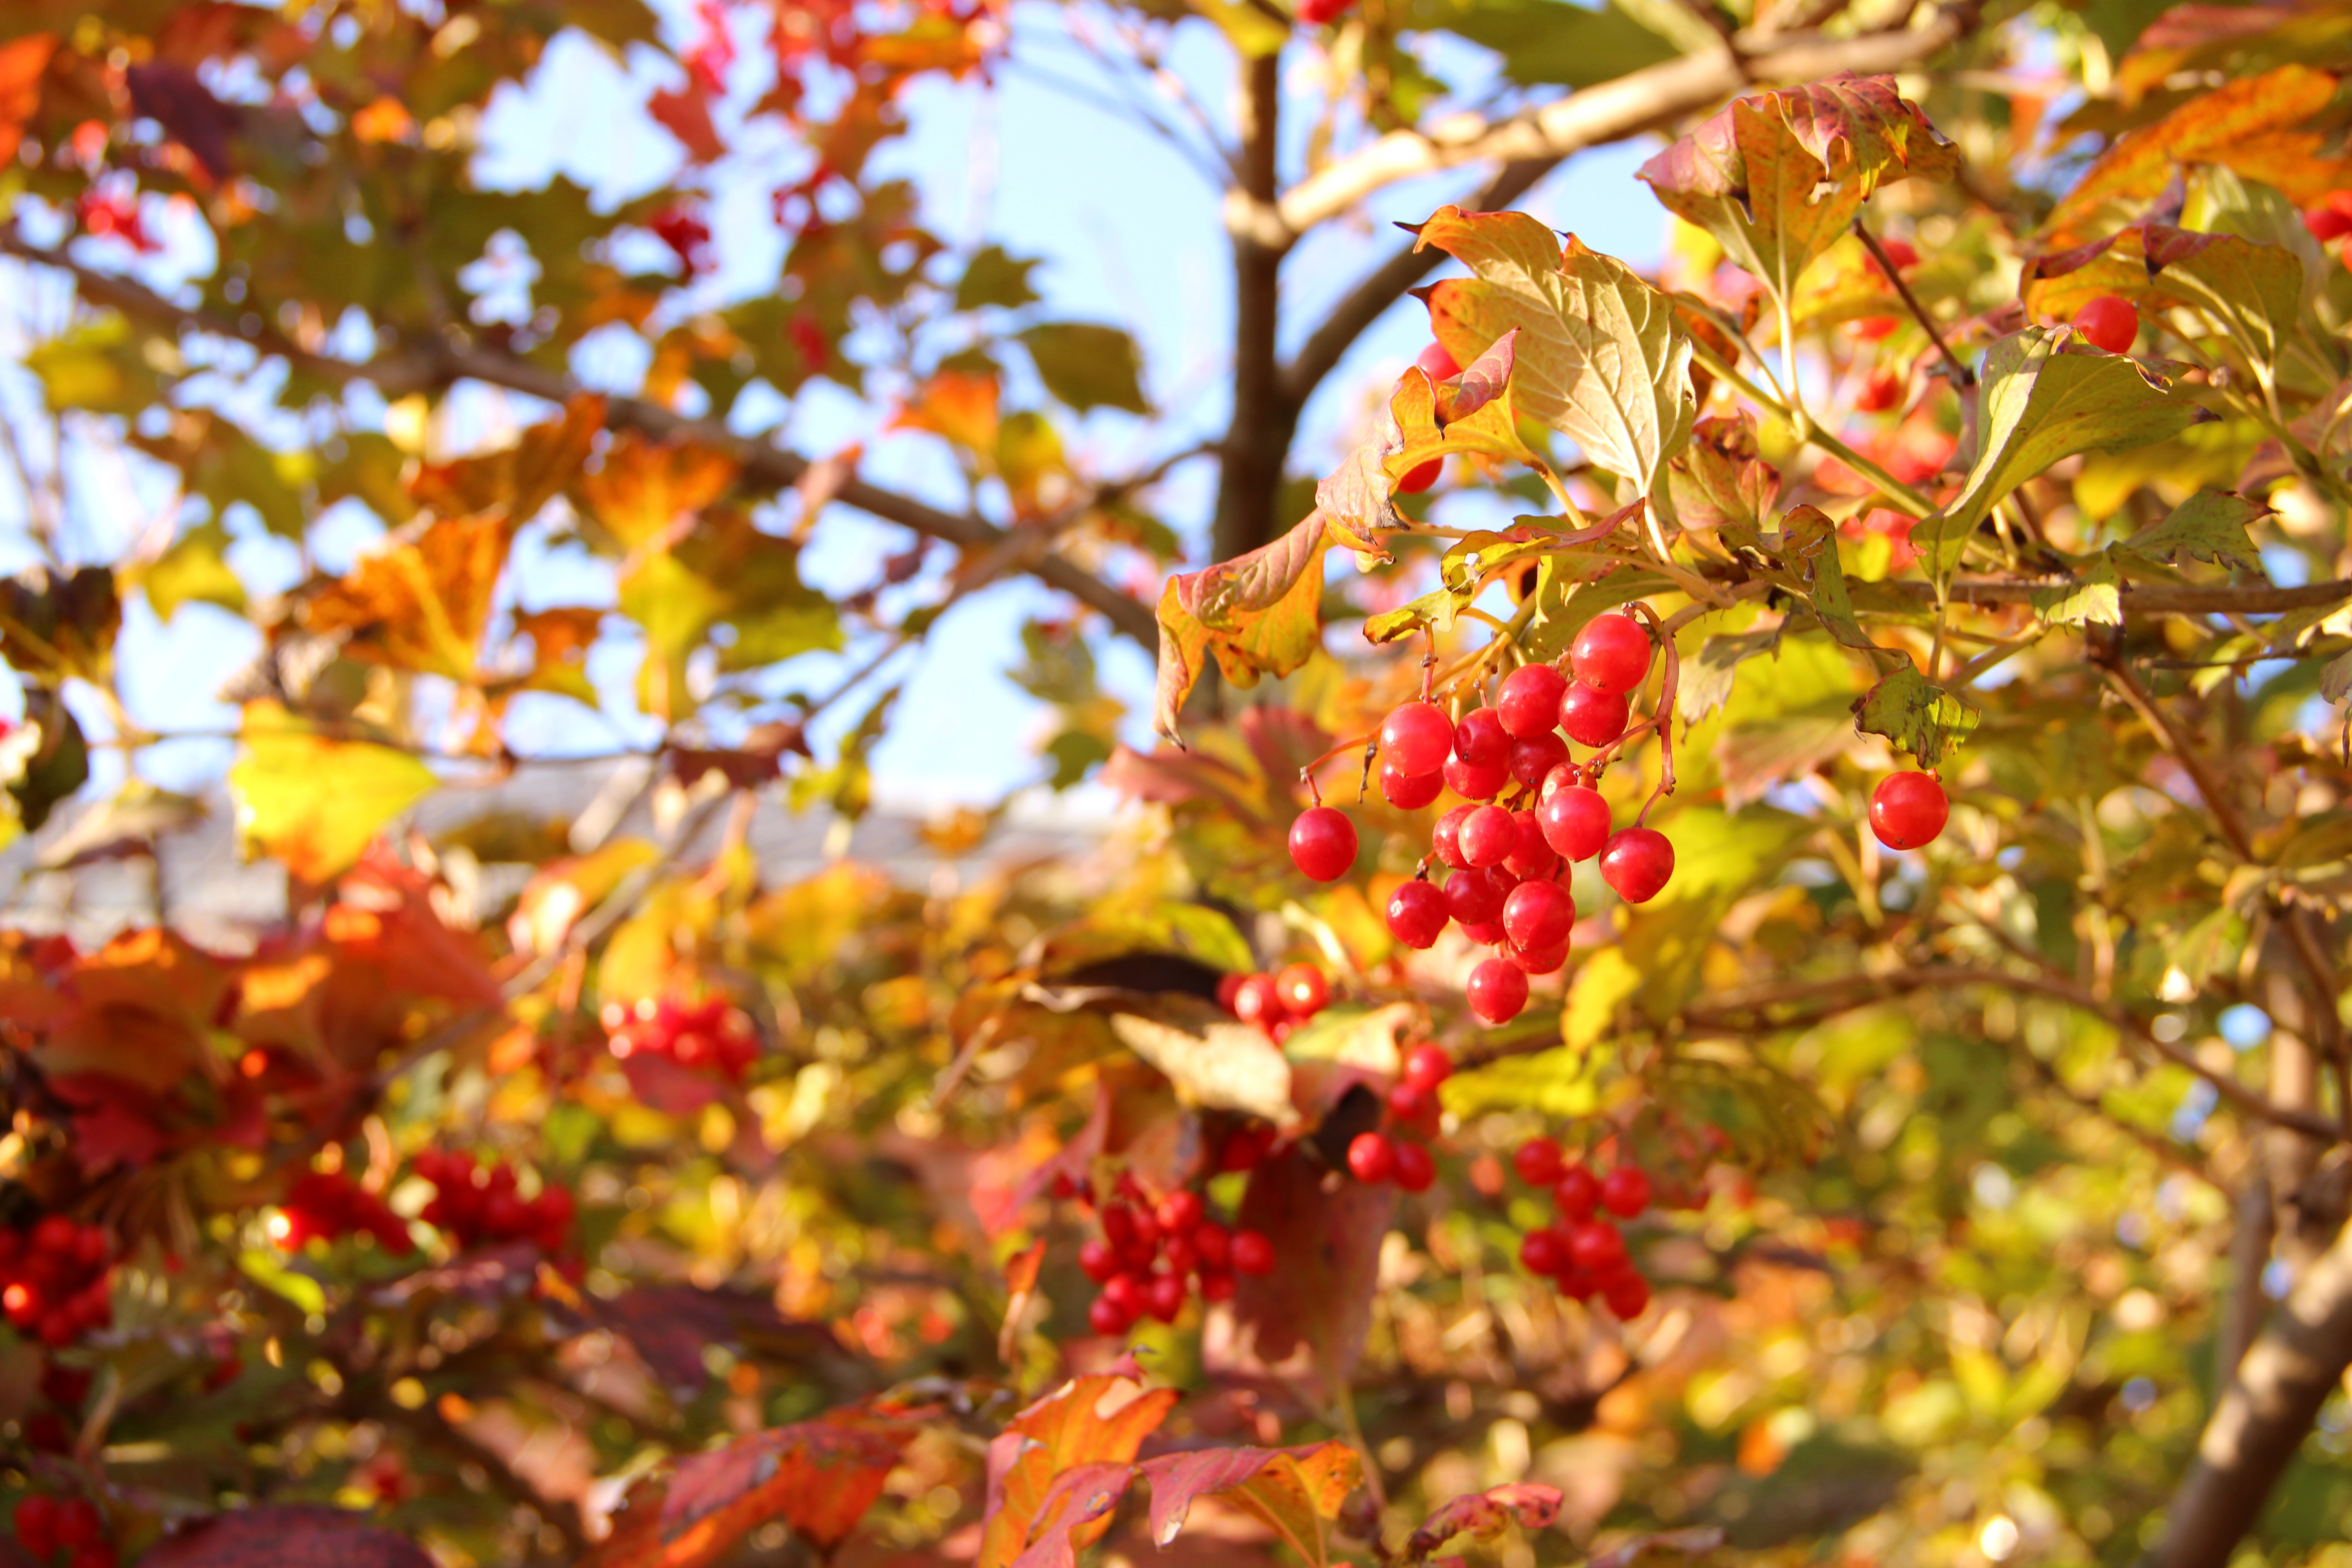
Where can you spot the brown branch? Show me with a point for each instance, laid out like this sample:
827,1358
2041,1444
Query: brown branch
1258,439
1962,376
440,363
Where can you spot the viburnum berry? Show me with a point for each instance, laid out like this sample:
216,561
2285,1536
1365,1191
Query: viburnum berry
1214,1245
1216,1287
1259,1000
1638,863
1409,1106
1414,1168
1880,390
1527,702
35,1519
1436,363
1498,991
1323,842
1483,934
1426,1066
1531,858
1480,739
1537,960
1229,989
1409,791
1097,1259
1243,1149
1536,1160
1252,1253
1445,838
1872,328
1596,1244
1625,1191
1372,1158
1417,914
1303,989
1538,914
1899,251
1124,1292
1490,837
1473,899
1179,1212
1180,1253
1474,781
1575,822
2327,221
1594,717
1541,1251
78,1526
1109,1318
1627,1297
2108,322
1421,476
1163,1297
1612,654
1575,1193
1417,737
1316,13
1908,810
1533,758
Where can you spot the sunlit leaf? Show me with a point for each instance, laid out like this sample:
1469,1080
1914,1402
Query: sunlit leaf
314,801
818,1477
1923,719
1257,614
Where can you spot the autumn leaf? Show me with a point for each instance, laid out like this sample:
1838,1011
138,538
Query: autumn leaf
1602,356
1721,477
2210,526
22,61
1469,414
286,1535
1329,1237
519,478
685,113
1077,1507
195,569
312,801
818,1477
959,407
139,1009
1485,1515
1101,1418
1086,365
420,603
644,488
58,627
1295,1492
1259,614
1212,1060
1924,720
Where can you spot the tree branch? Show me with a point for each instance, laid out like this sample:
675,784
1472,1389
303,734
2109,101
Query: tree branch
440,363
1258,440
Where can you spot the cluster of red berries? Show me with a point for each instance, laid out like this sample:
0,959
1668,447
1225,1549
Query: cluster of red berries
706,1034
111,215
1316,13
1507,858
330,1205
1583,1252
1383,1156
46,1526
55,1280
1908,810
1149,1253
474,1204
1276,1003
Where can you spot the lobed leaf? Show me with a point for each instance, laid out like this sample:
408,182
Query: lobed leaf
818,1477
1259,614
1923,719
314,801
1295,1492
1100,1419
2210,526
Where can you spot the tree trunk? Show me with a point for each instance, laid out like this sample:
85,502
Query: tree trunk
1264,418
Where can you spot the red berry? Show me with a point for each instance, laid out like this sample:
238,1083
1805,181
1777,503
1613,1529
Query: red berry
1215,1245
1533,758
1596,1244
1627,1297
1490,837
36,1524
1126,1292
55,1233
1179,1213
1575,822
1371,1157
1498,991
1164,1297
1426,1066
1179,1252
1531,858
1612,654
1304,992
1871,329
1410,1105
1259,1000
1881,391
1244,1147
2108,322
1445,838
2325,224
1594,717
1625,1191
1538,914
1216,1287
1108,1316
1253,1253
1898,251
1638,863
1481,741
1436,363
1483,934
1316,13
1539,960
78,1524
1577,1193
1323,842
1527,702
1473,899
1416,1170
1417,737
1097,1259
1543,1251
1537,1162
1409,791
1475,780
1417,914
1908,810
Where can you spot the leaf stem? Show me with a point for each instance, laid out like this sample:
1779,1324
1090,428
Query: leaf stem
1962,376
1903,497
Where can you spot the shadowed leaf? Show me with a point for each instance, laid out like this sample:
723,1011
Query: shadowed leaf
1321,1301
1087,365
287,1535
1259,614
818,1477
2210,526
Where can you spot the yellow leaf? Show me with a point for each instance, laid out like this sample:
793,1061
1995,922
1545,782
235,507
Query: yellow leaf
314,802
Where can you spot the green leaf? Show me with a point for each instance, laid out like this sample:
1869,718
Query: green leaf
1602,356
1807,548
100,367
1432,611
1719,859
1924,720
1087,365
314,802
2210,525
46,760
2046,398
2096,599
1546,42
1259,614
192,570
1707,677
1721,477
995,277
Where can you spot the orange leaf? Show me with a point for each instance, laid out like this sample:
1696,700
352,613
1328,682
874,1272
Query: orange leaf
645,488
819,1477
420,604
1259,614
1295,1492
518,479
1101,1418
957,405
140,1006
22,61
386,119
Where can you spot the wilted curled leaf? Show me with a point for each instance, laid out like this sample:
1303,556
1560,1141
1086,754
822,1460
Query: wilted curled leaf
1295,1492
1425,422
1259,614
1924,720
53,627
818,1477
1485,1514
1212,1060
1721,476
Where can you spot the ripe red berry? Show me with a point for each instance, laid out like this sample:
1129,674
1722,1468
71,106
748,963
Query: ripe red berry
1243,1149
1531,858
55,1233
1304,991
1596,1244
1420,477
1426,1066
1537,1162
36,1524
1538,960
1216,1287
1178,1253
1445,838
1543,1251
1498,991
1533,758
1179,1212
1577,1193
1481,741
1908,810
1415,1169
1527,702
1316,13
1489,837
1371,1157
1417,737
1625,1191
1163,1298
1638,863
1436,363
2326,223
1871,329
1417,914
2108,322
1881,391
1473,899
1475,780
1252,1253
1611,654
1627,1297
1097,1259
1323,842
1214,1244
1409,791
1409,1106
1593,717
78,1524
1538,914
1126,1291
1259,1000
1107,1317
1898,251
1483,934
1575,822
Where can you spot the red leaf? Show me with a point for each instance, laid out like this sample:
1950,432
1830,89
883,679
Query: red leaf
1321,1300
819,1477
22,61
1077,1505
1293,1491
1102,1418
294,1535
1485,1514
686,114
